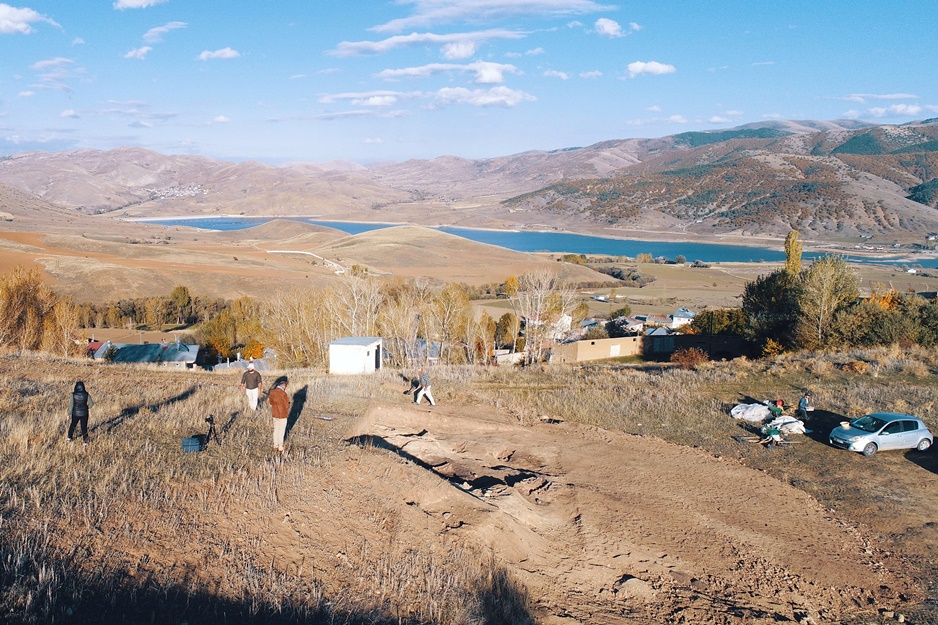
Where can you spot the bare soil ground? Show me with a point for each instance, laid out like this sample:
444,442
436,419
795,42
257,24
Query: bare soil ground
605,527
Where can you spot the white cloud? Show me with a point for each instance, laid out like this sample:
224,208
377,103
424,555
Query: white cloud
896,110
156,34
373,141
672,119
224,53
654,108
635,26
592,74
69,113
496,96
78,41
136,4
459,50
552,73
138,53
717,119
607,27
485,71
651,67
453,43
369,98
863,97
25,94
733,113
15,20
221,119
140,124
426,12
54,73
762,63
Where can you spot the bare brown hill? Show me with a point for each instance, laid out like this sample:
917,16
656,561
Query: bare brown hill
841,180
416,252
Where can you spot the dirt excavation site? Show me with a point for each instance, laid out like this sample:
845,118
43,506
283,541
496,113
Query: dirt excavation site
594,526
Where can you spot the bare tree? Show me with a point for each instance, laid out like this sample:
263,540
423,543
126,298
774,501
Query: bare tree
544,305
356,305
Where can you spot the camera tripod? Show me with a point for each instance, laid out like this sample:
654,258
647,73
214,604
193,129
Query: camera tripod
212,432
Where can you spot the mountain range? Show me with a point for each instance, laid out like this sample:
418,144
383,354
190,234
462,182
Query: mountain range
837,180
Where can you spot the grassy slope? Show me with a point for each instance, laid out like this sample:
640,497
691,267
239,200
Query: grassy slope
158,532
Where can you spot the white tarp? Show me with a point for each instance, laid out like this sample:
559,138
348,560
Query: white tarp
754,413
788,425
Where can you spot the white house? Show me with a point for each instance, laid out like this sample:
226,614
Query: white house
353,355
682,317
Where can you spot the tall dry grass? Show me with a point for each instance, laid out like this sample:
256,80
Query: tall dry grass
91,534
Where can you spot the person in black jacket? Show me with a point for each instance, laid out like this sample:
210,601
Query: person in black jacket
78,408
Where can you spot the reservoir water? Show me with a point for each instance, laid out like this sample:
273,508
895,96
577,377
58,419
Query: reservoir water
557,242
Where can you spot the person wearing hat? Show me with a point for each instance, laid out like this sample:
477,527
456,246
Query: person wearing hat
804,405
252,385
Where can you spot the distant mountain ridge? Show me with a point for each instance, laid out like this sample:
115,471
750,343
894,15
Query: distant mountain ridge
839,178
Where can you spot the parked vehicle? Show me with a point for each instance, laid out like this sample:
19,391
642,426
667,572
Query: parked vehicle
882,430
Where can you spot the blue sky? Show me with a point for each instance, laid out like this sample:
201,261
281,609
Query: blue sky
381,80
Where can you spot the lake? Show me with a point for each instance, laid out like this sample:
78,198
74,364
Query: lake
557,242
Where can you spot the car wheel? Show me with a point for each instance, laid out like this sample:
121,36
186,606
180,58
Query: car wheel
923,444
870,449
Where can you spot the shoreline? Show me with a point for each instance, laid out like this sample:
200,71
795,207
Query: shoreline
774,244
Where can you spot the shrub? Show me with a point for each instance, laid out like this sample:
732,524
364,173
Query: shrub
689,358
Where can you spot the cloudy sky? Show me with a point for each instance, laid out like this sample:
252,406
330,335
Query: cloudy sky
387,80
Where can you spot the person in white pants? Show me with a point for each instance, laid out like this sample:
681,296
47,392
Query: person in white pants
252,385
423,379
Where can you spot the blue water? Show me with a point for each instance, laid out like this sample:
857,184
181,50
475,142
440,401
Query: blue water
557,242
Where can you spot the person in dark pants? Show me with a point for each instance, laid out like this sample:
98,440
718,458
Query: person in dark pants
78,407
804,405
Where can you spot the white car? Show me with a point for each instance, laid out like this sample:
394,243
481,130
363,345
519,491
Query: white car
882,430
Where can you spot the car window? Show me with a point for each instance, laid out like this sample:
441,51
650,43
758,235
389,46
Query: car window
909,426
893,428
869,423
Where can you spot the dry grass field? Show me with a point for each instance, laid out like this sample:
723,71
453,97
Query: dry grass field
599,494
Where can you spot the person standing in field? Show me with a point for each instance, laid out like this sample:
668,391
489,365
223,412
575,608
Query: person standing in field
423,380
252,385
804,405
279,410
78,408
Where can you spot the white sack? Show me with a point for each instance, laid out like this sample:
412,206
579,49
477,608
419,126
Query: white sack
754,413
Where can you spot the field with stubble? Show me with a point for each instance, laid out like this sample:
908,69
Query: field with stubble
597,494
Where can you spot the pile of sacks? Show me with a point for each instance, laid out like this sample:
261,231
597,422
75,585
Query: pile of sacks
760,413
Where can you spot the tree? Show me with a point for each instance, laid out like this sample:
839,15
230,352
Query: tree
506,331
793,253
450,313
827,286
771,304
181,300
61,328
720,321
544,302
405,304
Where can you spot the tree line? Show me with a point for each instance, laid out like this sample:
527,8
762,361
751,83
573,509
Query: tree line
413,318
819,307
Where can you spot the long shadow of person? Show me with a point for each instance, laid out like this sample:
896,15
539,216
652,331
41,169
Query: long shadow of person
296,408
132,411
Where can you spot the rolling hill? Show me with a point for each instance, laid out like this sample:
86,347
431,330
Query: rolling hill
836,180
